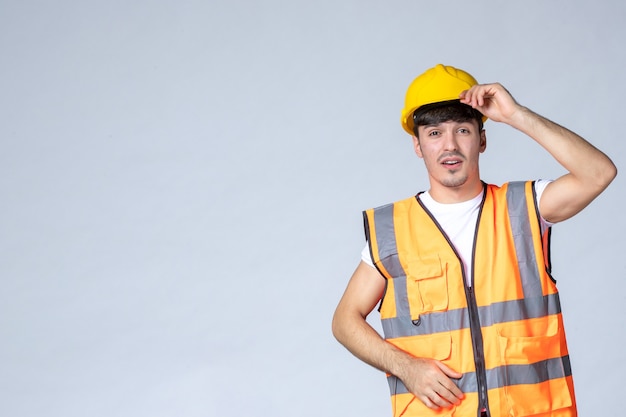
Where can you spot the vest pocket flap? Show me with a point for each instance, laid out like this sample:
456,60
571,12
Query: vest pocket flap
437,346
427,286
425,268
442,347
530,341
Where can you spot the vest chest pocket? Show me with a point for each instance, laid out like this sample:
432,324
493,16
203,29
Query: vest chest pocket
427,286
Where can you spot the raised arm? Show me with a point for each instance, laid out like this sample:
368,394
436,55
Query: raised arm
589,170
428,379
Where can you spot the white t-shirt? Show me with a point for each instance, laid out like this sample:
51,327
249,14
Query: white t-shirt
458,220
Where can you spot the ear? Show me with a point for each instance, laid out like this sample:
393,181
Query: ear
416,146
483,141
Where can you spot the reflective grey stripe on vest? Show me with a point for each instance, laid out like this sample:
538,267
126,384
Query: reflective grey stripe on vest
388,254
502,376
522,236
458,319
534,305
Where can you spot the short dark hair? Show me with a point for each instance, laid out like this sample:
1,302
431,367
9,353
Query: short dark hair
447,111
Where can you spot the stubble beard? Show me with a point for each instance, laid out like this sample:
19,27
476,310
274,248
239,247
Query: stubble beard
453,181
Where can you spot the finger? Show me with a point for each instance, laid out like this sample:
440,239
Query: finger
469,96
440,402
477,97
450,392
428,403
449,389
448,371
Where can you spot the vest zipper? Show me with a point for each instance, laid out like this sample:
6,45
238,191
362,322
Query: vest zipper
475,326
472,308
479,353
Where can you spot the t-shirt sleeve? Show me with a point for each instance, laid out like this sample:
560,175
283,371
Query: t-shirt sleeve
366,256
540,186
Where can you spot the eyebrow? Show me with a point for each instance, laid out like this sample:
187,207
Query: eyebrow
468,122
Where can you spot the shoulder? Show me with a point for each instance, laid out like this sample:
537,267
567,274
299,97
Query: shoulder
399,203
386,213
528,186
513,187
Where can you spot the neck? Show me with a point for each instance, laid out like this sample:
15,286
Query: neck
450,195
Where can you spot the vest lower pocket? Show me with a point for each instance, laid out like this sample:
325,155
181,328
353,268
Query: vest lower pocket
437,346
534,376
416,408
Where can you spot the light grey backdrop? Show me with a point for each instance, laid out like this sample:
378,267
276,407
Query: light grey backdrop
182,184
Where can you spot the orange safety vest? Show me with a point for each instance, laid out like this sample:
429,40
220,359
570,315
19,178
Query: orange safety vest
504,333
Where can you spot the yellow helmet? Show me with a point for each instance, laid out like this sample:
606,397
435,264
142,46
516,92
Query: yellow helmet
438,84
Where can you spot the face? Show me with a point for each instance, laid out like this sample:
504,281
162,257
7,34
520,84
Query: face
450,151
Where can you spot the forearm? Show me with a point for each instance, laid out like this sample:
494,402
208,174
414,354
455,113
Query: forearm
427,379
353,332
588,165
589,170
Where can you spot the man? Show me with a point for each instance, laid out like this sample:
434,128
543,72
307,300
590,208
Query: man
470,312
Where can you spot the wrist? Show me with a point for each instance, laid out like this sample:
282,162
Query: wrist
522,118
399,362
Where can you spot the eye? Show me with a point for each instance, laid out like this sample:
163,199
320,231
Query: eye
434,133
464,130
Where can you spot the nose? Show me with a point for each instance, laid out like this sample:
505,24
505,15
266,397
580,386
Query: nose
450,143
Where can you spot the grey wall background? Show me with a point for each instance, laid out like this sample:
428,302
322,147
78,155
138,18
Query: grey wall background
182,185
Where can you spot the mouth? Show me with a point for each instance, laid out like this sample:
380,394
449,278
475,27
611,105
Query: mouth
451,162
